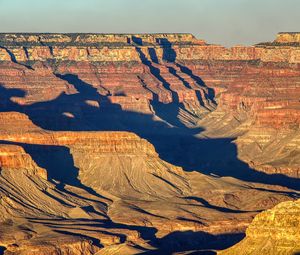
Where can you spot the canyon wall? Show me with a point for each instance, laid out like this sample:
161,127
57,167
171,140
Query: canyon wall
116,48
136,141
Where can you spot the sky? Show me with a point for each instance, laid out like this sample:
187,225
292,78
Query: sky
226,22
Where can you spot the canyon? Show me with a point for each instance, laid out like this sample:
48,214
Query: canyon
148,144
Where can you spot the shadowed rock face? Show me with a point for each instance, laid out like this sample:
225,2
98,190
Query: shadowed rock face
133,144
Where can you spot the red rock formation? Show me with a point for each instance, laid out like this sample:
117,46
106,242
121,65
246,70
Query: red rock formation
14,157
188,98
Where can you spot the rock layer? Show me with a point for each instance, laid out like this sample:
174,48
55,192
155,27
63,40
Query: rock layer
127,143
275,231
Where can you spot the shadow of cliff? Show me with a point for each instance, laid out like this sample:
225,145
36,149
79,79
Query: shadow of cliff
210,93
175,144
169,111
156,73
169,54
60,167
193,242
6,102
13,58
2,250
206,204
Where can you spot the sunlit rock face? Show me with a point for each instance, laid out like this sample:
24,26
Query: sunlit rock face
275,231
288,38
128,143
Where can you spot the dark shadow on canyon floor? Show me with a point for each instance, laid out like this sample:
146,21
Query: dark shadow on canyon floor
206,204
2,250
199,242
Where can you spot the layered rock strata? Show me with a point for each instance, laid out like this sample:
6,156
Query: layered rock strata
123,143
275,231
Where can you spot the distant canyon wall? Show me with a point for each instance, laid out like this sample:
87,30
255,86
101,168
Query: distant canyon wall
249,93
98,47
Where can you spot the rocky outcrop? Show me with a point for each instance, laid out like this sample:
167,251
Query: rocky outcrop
14,157
288,37
275,231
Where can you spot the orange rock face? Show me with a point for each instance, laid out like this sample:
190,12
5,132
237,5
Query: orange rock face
127,143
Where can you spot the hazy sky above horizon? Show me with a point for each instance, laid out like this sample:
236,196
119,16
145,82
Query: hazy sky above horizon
227,22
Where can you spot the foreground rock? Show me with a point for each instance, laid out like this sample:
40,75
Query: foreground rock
124,194
275,231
